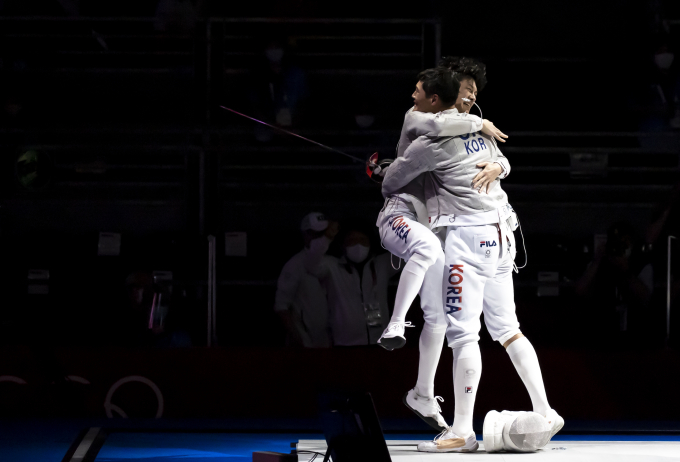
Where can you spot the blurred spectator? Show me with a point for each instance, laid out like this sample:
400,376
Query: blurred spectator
668,82
175,16
12,108
165,321
71,7
145,318
665,221
278,89
12,98
665,89
300,299
655,17
618,280
357,288
130,321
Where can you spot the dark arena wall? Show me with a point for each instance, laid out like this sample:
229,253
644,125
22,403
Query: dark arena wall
219,383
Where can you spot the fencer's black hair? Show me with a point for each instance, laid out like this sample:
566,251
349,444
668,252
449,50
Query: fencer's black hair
442,82
466,67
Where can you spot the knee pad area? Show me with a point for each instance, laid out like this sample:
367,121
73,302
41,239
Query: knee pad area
467,350
428,251
433,327
508,335
423,258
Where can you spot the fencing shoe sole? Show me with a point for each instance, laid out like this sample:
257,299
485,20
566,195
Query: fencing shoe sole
432,421
392,343
450,442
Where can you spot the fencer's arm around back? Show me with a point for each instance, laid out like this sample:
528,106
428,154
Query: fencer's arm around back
502,161
430,124
421,156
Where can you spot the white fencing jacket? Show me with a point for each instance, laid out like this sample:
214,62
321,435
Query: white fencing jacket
452,163
427,124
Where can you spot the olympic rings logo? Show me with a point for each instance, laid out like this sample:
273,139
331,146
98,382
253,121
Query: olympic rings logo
109,407
13,379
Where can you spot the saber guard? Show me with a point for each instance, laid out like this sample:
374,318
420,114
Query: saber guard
376,169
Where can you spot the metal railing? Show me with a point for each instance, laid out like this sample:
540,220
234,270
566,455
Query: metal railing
212,292
668,291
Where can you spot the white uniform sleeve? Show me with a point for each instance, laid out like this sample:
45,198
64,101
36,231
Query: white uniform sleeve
440,124
404,140
420,157
502,161
286,286
418,123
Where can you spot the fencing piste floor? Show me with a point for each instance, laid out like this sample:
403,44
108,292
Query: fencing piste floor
59,440
581,448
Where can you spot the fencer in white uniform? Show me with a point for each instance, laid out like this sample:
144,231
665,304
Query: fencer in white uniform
476,224
405,232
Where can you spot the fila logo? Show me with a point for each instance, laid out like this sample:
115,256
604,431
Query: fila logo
487,244
468,389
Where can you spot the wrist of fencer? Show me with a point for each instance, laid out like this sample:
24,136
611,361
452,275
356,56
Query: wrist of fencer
502,174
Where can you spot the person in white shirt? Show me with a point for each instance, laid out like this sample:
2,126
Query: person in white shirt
300,299
356,284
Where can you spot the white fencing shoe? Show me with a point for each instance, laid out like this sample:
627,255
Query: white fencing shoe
447,441
516,431
555,421
426,408
393,337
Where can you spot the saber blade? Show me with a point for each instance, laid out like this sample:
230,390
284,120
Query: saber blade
354,158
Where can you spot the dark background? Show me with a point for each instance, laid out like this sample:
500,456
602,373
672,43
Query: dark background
125,111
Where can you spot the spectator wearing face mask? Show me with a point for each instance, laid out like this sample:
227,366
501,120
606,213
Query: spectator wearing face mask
278,88
667,83
356,284
618,283
300,299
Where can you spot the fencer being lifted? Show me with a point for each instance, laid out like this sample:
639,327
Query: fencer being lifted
436,181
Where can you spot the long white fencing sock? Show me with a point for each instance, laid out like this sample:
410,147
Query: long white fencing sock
467,370
409,285
524,359
430,344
